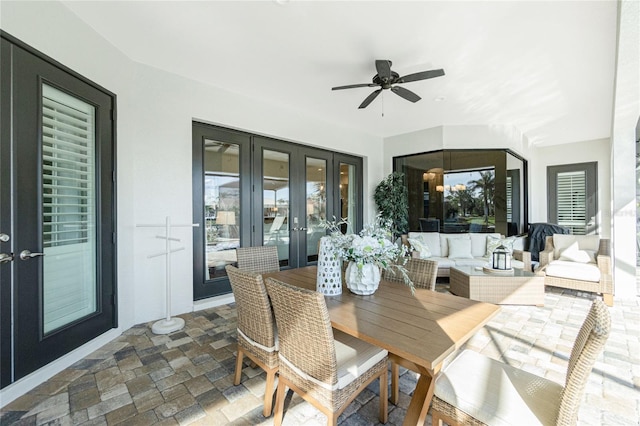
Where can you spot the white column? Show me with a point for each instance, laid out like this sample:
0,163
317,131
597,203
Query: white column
626,111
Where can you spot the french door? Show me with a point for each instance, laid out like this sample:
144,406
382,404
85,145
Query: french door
57,288
250,190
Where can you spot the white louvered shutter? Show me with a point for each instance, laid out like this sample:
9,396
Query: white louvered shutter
69,208
571,201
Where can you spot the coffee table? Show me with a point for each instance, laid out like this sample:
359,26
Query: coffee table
521,288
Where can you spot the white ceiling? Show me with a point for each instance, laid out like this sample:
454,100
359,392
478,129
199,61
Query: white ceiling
546,68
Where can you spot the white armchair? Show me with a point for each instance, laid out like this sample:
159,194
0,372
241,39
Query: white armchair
578,262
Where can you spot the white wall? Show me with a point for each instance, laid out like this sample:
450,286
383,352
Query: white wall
155,111
162,177
454,137
579,152
475,137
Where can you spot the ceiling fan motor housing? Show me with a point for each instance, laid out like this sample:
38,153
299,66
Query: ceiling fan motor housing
386,85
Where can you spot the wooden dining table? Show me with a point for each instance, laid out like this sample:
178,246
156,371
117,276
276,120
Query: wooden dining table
418,330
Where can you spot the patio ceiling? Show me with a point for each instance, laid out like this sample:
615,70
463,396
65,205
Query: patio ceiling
545,68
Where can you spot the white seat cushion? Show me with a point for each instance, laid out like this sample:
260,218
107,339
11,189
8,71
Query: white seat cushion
354,357
431,239
496,393
574,270
444,242
585,242
479,243
476,261
444,262
459,248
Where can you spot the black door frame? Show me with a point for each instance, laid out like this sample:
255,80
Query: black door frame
24,342
251,194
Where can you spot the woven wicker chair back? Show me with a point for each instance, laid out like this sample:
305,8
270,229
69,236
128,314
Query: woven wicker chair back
259,260
305,337
588,345
255,317
422,272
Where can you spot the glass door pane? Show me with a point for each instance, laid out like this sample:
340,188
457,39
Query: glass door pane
348,199
68,209
316,204
221,206
275,202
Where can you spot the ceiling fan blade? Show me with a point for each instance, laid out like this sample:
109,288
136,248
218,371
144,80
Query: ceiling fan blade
370,99
383,66
353,86
404,93
420,76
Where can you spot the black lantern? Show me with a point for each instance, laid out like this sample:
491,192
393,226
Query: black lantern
501,258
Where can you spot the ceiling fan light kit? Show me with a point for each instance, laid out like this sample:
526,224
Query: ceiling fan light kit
387,79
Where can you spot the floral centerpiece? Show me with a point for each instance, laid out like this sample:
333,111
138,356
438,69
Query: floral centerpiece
368,252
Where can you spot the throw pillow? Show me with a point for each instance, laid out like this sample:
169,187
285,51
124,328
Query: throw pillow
420,246
574,254
459,248
494,242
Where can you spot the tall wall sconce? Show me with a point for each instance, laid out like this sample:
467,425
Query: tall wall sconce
439,188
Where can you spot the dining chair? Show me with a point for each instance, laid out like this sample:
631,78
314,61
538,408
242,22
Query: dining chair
326,367
475,389
257,336
260,259
423,274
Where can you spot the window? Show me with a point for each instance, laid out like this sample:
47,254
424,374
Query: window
572,193
465,191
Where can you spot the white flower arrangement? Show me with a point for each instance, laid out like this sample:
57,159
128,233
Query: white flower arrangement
372,245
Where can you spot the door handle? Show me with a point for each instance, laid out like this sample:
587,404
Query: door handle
6,258
4,238
26,255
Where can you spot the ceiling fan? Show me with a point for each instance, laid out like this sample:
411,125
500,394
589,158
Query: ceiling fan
386,80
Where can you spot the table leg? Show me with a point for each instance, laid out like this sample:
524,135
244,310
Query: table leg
421,399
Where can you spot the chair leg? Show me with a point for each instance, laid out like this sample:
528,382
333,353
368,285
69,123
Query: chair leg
608,299
279,408
238,372
395,377
268,393
383,397
332,419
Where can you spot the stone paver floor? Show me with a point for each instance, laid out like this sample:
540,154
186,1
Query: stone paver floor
186,377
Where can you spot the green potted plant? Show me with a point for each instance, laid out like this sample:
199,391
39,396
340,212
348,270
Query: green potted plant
392,200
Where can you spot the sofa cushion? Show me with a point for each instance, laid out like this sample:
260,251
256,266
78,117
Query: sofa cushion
431,239
585,242
495,242
573,270
444,242
574,254
479,243
443,262
421,247
460,248
476,261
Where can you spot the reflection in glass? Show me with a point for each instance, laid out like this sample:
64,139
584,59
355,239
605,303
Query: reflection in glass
275,202
221,206
465,191
348,196
469,201
316,173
